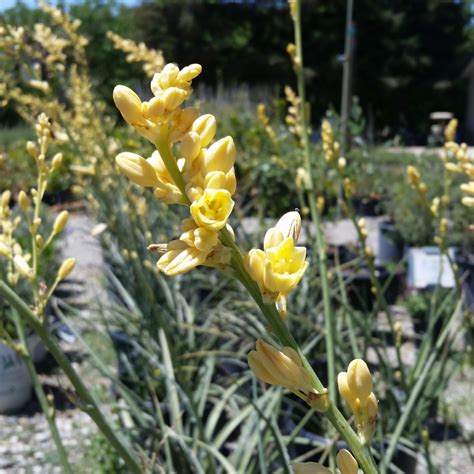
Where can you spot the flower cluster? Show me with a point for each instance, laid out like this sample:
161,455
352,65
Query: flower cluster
152,59
450,130
203,177
21,264
414,179
355,387
330,146
279,267
265,121
9,247
293,118
285,368
461,162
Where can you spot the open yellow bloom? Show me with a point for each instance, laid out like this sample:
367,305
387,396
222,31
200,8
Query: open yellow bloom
280,266
212,209
285,368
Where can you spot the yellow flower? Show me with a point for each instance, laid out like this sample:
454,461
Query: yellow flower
171,87
413,175
196,246
60,222
220,156
468,188
66,268
281,265
137,169
129,105
22,267
450,130
23,201
284,266
205,127
468,201
284,368
212,209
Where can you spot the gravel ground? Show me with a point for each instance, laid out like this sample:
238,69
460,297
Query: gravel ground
25,441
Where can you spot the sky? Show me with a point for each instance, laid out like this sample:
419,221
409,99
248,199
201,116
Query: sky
6,4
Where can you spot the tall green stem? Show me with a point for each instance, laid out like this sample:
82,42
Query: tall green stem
45,406
281,330
320,248
89,404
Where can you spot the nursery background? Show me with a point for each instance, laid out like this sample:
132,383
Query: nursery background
313,158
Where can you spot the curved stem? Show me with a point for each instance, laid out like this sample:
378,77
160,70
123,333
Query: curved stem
45,406
90,406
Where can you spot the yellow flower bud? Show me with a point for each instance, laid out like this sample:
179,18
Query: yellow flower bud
349,397
191,146
341,163
57,161
359,378
422,188
39,242
205,126
346,462
285,368
188,73
129,105
154,109
5,199
413,175
173,97
468,187
60,222
309,468
35,225
220,156
468,201
31,149
23,201
4,250
137,169
66,268
212,209
290,225
22,267
453,167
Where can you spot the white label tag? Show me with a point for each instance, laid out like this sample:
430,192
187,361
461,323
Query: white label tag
426,267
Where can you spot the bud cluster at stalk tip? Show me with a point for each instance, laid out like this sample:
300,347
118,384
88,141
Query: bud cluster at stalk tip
355,387
202,176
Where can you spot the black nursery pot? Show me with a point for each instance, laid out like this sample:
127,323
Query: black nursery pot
359,288
390,243
366,206
405,462
465,265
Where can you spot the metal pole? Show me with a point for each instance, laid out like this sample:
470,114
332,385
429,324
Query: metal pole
346,97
